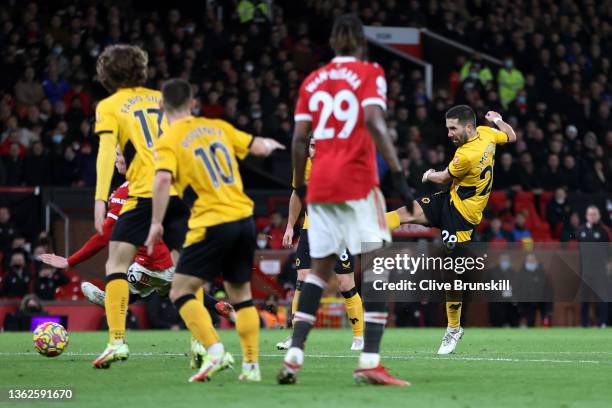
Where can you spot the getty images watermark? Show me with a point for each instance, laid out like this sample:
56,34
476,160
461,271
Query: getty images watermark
459,265
513,272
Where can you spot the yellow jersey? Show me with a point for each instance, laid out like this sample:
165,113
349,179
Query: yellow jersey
472,171
132,119
201,154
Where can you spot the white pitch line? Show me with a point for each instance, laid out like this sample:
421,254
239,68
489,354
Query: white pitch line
354,356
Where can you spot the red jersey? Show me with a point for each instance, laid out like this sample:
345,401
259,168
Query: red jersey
160,259
333,98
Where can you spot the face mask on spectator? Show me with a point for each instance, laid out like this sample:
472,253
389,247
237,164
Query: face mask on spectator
57,138
262,243
509,63
58,49
521,99
16,268
504,264
531,266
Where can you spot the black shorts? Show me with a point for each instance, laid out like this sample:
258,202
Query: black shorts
133,224
344,265
227,249
442,214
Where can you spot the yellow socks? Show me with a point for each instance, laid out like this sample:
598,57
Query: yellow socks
200,298
453,313
197,319
393,220
247,326
116,304
354,311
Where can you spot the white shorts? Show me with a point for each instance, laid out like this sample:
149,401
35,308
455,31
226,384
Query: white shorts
333,227
143,281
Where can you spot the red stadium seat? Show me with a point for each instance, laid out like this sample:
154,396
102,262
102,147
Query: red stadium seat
497,200
262,222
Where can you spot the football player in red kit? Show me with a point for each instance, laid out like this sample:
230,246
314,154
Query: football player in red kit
343,105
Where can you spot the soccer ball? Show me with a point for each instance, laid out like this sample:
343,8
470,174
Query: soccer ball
50,339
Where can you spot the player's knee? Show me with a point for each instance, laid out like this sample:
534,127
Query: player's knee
346,282
238,292
302,274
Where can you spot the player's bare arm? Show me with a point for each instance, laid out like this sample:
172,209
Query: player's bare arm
299,155
104,169
375,121
496,118
437,177
161,196
295,207
264,146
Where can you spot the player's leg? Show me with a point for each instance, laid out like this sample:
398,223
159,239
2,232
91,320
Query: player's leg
247,326
352,299
303,263
237,273
116,302
305,317
404,217
368,228
301,275
198,321
458,233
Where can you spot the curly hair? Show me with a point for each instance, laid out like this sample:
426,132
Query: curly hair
347,34
122,66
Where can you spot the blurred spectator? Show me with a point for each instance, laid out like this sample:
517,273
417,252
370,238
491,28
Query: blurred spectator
571,176
552,176
37,167
502,311
262,240
21,320
510,81
13,166
595,179
476,70
569,232
275,231
55,87
86,160
270,315
29,91
529,178
520,232
534,293
495,232
48,279
16,281
594,255
7,230
558,209
506,173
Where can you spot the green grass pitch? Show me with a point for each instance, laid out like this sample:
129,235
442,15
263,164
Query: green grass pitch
491,368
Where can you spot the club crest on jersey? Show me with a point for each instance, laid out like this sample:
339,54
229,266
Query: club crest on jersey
425,200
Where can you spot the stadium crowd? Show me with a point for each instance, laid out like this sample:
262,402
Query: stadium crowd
246,65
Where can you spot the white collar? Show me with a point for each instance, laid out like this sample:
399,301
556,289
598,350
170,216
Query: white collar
341,59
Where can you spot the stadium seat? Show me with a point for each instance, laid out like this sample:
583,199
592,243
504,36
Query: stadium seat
497,200
262,222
